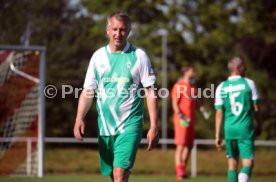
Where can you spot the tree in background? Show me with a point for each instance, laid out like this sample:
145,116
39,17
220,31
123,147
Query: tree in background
63,29
203,32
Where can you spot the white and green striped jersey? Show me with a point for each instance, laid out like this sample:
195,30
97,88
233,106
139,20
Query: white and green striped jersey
236,96
118,78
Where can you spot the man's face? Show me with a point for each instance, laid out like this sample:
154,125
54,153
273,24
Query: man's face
191,73
117,31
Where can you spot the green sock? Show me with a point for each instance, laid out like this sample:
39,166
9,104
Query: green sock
232,176
247,170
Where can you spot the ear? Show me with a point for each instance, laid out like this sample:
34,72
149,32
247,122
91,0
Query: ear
106,30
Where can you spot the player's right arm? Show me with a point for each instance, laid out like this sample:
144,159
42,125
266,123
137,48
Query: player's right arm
85,102
175,100
219,116
86,98
175,105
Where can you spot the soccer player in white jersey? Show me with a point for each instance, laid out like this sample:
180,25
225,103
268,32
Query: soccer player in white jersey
236,101
116,74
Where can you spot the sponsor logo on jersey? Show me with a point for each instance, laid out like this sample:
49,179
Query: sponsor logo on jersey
128,64
115,78
234,88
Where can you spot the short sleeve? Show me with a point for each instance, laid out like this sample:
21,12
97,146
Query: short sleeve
147,75
218,98
254,91
90,81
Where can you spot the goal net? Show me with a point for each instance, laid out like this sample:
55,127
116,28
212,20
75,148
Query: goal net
20,112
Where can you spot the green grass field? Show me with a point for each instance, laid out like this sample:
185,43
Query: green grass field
210,162
134,178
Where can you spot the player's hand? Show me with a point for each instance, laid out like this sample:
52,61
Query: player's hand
153,138
184,121
219,144
79,129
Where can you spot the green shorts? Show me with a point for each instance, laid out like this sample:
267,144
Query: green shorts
118,151
240,147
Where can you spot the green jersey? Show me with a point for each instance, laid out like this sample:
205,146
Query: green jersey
118,79
236,96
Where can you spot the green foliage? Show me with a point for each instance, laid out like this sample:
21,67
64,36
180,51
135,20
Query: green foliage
205,33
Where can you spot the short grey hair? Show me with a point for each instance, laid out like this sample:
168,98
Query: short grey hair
119,15
234,63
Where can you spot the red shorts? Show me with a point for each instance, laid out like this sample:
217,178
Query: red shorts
183,135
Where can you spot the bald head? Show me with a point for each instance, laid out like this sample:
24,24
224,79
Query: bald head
236,66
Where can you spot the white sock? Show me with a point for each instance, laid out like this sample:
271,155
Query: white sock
243,177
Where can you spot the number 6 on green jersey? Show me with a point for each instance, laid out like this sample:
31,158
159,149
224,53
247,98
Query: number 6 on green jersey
236,107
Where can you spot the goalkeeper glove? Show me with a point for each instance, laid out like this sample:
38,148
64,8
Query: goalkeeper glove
185,122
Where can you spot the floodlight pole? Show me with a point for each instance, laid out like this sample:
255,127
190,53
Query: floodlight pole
164,85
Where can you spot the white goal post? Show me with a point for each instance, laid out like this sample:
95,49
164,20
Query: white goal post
40,81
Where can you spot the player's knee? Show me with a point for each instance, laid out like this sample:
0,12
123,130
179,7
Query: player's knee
248,163
232,164
118,175
232,167
179,147
251,164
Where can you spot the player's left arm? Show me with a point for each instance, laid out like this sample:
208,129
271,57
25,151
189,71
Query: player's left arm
205,113
219,120
258,129
152,135
201,107
256,107
148,80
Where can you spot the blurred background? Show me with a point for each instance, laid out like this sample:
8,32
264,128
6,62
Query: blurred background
202,32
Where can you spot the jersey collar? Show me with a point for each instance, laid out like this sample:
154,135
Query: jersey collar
234,77
124,50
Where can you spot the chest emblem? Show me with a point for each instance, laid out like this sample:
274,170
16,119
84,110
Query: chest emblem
128,64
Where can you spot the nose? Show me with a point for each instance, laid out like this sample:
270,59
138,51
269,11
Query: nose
117,33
